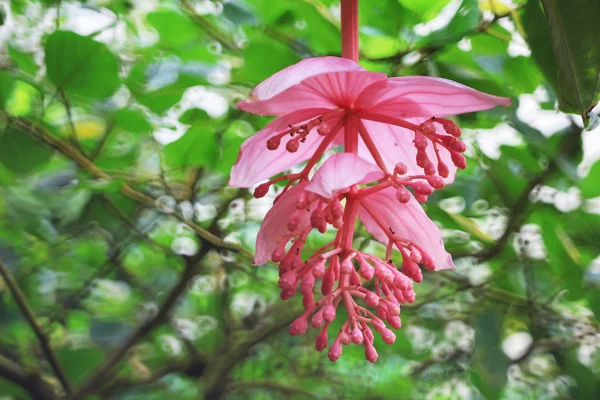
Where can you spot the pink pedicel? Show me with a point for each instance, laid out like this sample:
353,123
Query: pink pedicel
398,148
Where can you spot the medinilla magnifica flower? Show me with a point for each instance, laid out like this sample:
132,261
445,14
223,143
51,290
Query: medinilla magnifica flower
397,149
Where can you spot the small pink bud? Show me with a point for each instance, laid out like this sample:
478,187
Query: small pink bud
422,159
338,223
451,128
317,220
273,143
421,198
370,352
401,281
371,299
337,210
388,336
308,300
368,334
323,130
393,309
329,313
415,255
400,168
262,190
399,296
335,351
443,169
288,280
366,270
409,295
344,338
356,336
317,319
278,254
394,321
420,142
308,283
328,281
293,145
381,311
459,146
293,222
318,270
430,169
298,327
428,261
403,195
427,128
302,200
422,188
346,267
355,279
322,340
458,159
287,294
436,181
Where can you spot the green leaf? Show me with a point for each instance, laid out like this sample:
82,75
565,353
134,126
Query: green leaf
574,33
6,86
197,147
490,363
133,121
79,65
21,154
174,28
589,185
464,20
193,116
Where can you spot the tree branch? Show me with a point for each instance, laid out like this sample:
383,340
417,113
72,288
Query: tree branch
21,301
71,152
95,382
33,383
274,386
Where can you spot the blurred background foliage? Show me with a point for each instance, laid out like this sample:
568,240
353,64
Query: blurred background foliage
127,263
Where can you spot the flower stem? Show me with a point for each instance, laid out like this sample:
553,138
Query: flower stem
350,29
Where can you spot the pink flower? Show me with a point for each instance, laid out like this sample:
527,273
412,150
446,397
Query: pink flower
398,149
399,119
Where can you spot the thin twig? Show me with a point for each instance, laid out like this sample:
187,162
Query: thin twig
33,383
23,304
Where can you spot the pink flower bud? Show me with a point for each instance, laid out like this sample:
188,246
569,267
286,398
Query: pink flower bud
335,351
443,169
430,169
337,210
393,309
422,188
293,222
317,220
322,340
298,327
356,336
451,128
394,321
329,313
308,283
415,255
421,198
317,319
293,144
399,296
422,159
381,311
368,333
323,130
388,336
273,143
262,190
288,280
371,299
366,270
302,200
427,128
459,146
318,269
436,181
278,254
401,281
370,352
344,338
403,195
420,142
458,159
287,294
308,300
409,295
400,168
328,281
346,267
355,279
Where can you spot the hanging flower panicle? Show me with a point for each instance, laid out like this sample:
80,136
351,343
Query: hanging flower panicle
398,149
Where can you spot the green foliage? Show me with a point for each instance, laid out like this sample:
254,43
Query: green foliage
118,130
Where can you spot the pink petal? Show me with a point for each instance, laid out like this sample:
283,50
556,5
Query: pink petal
341,171
408,221
395,144
422,96
274,226
296,73
256,163
331,90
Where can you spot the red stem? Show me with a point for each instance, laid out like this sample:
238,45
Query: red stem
350,29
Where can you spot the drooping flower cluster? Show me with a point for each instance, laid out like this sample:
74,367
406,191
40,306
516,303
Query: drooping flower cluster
397,149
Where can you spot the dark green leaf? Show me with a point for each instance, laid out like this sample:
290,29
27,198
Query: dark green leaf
21,154
197,147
